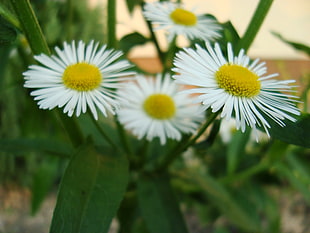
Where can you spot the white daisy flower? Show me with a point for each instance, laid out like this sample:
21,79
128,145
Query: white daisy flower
179,21
77,79
154,108
235,86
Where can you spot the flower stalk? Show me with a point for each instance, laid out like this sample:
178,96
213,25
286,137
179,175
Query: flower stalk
38,45
254,25
30,26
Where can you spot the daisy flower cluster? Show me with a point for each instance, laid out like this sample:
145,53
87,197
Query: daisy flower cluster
82,77
85,77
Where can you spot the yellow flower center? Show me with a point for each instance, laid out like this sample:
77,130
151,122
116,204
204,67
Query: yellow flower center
82,77
183,17
238,80
159,106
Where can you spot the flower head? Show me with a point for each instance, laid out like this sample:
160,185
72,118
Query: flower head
77,79
235,86
179,21
153,108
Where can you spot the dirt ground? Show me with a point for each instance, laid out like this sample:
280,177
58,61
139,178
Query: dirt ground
15,217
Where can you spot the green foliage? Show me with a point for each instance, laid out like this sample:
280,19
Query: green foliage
7,32
297,133
90,192
132,40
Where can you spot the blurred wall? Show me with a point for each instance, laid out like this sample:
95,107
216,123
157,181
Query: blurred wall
289,18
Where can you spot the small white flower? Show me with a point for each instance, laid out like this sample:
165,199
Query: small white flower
154,108
235,86
179,21
77,79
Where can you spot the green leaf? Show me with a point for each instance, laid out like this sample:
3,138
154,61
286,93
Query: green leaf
236,149
229,33
159,205
302,47
90,192
297,133
23,145
131,40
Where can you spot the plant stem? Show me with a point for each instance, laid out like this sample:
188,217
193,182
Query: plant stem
185,143
111,33
69,20
38,45
254,25
104,135
161,55
124,138
30,26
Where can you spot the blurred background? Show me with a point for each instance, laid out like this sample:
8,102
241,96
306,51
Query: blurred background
29,178
289,18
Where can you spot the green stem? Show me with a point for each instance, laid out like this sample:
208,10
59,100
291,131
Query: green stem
38,45
69,20
30,26
124,138
111,33
184,144
104,134
161,55
254,25
168,59
72,128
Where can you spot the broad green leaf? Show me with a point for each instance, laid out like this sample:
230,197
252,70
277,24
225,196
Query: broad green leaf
23,145
236,149
159,205
297,133
43,180
90,192
131,40
302,47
